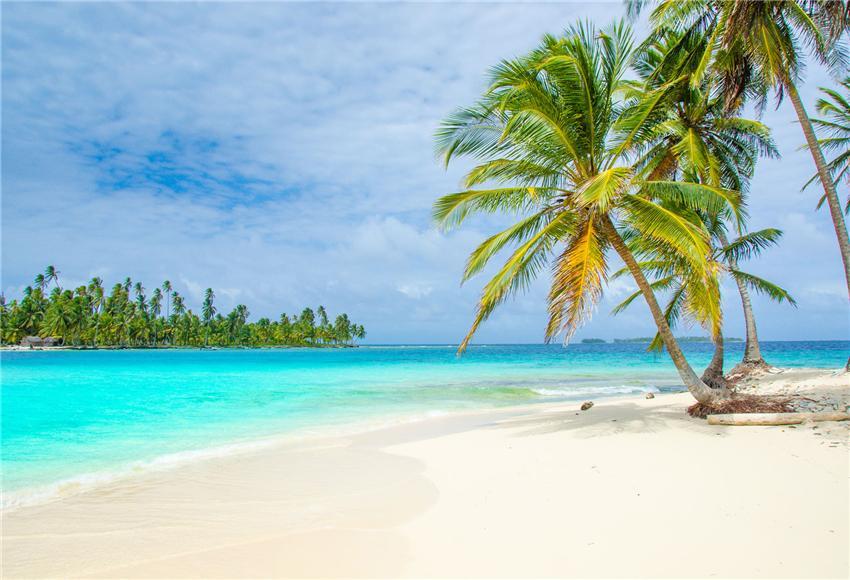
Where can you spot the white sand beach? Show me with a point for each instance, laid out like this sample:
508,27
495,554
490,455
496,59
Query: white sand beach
632,487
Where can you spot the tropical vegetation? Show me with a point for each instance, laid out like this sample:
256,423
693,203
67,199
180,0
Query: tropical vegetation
835,124
126,316
755,48
601,147
702,142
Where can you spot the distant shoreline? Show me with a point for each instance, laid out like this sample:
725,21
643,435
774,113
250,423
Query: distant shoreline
18,348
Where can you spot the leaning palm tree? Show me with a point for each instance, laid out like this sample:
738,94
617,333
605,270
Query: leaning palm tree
702,141
672,275
560,140
835,123
51,274
756,46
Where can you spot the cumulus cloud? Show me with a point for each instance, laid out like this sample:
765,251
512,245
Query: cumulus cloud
282,154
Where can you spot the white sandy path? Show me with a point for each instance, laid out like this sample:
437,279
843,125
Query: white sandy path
632,489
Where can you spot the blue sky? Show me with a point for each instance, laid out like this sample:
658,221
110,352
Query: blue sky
283,154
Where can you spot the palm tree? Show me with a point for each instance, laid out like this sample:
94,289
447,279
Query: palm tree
156,308
342,329
836,123
178,311
307,324
754,47
51,274
58,320
360,332
555,133
702,141
167,289
85,314
208,312
324,331
97,302
141,299
40,282
671,274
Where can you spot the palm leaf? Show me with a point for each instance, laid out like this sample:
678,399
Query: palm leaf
451,210
764,287
657,286
751,244
577,280
518,271
669,227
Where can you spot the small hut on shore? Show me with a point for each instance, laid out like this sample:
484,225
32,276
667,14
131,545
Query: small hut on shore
37,341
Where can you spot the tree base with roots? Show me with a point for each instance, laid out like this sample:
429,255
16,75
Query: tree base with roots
737,403
715,379
747,370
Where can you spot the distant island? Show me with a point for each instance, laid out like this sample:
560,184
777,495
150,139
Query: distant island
87,316
649,339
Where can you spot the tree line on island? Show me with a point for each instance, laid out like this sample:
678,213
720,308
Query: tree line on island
127,316
603,146
650,339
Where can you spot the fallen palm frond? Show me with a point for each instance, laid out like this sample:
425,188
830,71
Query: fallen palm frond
738,403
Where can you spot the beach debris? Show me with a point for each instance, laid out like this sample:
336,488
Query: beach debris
775,418
650,396
586,405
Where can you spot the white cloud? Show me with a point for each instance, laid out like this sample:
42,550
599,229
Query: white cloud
282,154
415,291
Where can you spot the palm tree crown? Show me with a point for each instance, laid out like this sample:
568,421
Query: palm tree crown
555,131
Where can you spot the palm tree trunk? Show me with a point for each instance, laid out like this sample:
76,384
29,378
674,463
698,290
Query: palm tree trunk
701,392
752,350
825,178
713,373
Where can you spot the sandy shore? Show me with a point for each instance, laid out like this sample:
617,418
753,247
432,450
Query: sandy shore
631,488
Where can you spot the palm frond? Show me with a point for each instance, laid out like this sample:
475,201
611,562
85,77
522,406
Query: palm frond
670,227
751,244
764,287
577,280
517,272
657,286
520,232
451,210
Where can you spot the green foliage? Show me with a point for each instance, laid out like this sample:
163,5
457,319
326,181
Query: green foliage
125,317
564,141
835,124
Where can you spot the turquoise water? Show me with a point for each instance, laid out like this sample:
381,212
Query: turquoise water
72,415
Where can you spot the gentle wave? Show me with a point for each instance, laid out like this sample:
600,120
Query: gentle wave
601,391
16,499
88,481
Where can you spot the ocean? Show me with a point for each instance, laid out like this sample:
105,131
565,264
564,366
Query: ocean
74,419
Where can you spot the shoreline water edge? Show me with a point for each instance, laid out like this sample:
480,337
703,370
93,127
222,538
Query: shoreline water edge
82,417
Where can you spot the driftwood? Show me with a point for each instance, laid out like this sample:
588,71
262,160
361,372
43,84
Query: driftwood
775,418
